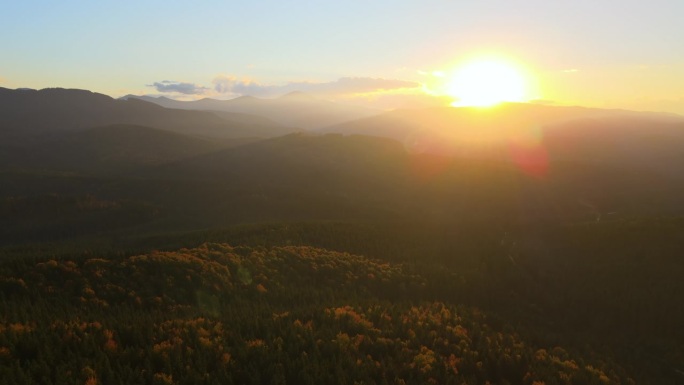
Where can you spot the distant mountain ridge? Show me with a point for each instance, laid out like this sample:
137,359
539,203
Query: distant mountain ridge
560,133
56,109
296,109
81,131
474,123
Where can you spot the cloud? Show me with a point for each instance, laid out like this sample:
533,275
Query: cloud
385,93
344,86
224,84
179,87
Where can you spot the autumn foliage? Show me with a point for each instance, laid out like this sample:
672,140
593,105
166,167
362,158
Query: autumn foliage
219,314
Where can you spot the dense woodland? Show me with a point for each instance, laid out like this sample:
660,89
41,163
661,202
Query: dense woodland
134,254
218,314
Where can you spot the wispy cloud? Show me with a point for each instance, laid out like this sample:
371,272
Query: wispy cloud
179,87
382,92
344,86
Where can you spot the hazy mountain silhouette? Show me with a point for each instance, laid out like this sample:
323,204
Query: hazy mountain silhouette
55,109
562,133
296,109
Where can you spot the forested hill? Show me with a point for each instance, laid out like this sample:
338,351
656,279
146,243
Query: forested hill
218,314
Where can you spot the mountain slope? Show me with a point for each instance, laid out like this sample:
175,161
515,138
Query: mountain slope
380,173
118,148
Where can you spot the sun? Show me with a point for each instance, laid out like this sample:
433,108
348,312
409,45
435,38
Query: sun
487,82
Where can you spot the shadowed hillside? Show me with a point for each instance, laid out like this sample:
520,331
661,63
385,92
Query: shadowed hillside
308,177
117,148
381,172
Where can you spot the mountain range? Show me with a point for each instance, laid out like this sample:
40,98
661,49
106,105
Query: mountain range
646,140
54,110
295,109
582,159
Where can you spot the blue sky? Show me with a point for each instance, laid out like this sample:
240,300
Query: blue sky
603,52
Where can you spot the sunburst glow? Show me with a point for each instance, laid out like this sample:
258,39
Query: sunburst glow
487,82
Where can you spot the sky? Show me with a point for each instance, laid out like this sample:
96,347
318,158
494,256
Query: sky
387,53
